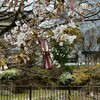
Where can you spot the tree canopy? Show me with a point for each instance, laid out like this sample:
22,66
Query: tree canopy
24,22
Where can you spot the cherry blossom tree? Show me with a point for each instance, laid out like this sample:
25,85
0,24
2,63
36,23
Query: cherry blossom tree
51,19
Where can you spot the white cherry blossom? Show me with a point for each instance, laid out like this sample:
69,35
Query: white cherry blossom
71,38
24,25
60,43
70,12
18,23
84,6
60,36
60,28
19,34
72,24
50,8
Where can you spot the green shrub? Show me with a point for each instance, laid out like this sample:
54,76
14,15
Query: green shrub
80,77
61,53
65,78
10,74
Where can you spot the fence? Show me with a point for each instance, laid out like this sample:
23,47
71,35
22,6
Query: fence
49,93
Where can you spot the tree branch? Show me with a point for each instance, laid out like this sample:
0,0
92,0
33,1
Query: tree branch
5,18
12,24
92,19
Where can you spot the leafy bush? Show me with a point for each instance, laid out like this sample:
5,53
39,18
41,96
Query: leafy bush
10,74
65,78
80,77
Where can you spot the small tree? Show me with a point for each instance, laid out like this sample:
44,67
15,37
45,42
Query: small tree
60,54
